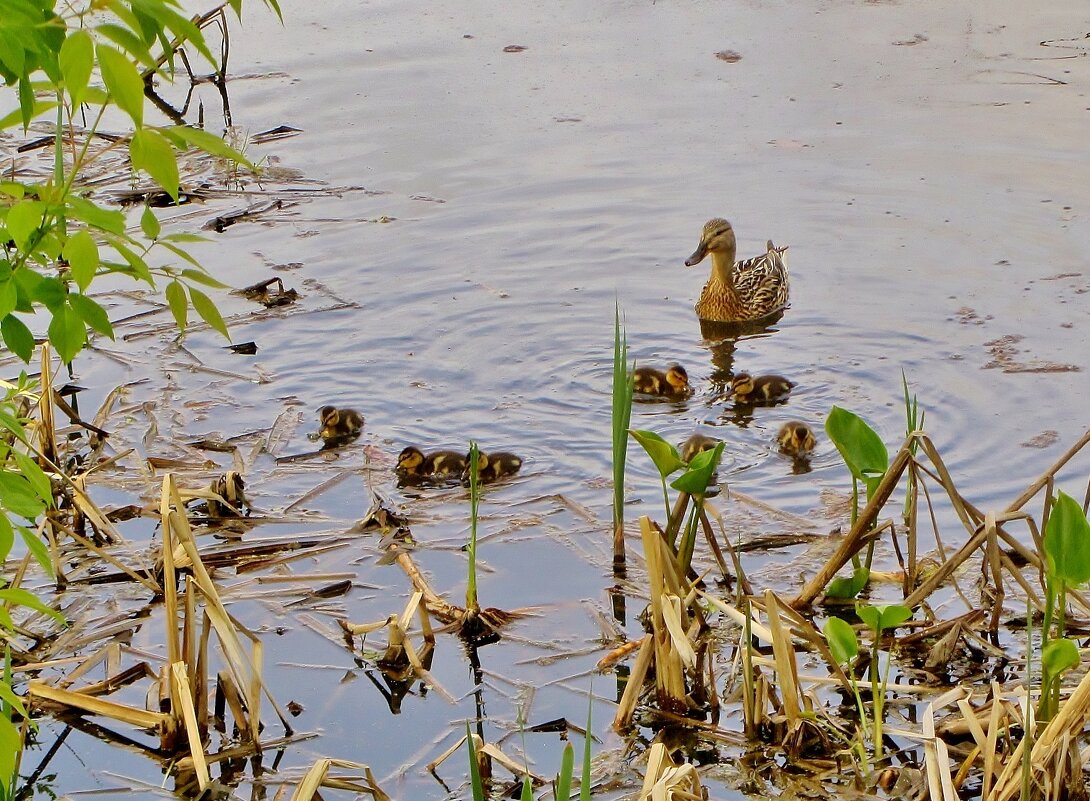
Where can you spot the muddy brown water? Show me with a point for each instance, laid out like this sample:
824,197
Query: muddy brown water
925,162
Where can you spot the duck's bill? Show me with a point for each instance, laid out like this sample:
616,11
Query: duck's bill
698,255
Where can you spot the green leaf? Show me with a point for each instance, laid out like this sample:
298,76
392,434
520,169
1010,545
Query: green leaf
76,59
23,219
37,549
18,496
17,337
662,453
96,216
567,764
11,745
11,700
138,268
842,587
67,332
1067,541
862,449
843,643
9,296
1059,656
7,537
26,102
16,116
202,277
28,599
179,307
92,313
124,82
209,143
34,474
880,617
475,782
151,152
204,306
149,223
128,42
45,289
12,189
81,253
698,476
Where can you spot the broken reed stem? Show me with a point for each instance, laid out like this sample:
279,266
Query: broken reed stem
859,533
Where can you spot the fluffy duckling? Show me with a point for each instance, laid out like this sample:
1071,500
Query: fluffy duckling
760,389
339,426
697,443
674,382
752,289
413,463
493,466
796,439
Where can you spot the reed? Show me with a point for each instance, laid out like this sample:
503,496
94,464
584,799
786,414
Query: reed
472,606
621,418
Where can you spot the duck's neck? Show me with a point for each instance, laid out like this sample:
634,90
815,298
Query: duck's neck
723,268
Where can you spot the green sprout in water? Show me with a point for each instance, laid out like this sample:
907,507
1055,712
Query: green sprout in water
474,501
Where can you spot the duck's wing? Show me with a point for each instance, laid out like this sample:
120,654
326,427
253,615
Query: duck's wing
762,280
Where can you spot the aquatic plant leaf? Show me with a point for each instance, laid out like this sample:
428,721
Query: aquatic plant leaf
698,476
662,453
17,337
843,643
1067,541
861,448
1059,656
152,153
81,253
92,313
474,768
844,587
880,617
124,82
567,765
584,781
179,307
76,59
67,332
527,789
204,306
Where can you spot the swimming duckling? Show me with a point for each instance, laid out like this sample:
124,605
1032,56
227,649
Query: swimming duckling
760,389
672,383
414,464
697,443
339,426
493,466
796,439
747,290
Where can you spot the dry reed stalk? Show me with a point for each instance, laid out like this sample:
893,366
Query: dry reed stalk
860,532
318,777
182,693
626,707
1051,746
140,718
669,659
667,781
786,666
940,783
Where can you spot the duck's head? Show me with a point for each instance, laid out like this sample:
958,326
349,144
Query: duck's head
717,237
329,415
677,378
797,439
741,384
410,459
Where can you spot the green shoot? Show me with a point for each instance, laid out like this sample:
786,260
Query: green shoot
622,415
878,619
474,501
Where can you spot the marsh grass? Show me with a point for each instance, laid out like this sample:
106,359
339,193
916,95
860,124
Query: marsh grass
623,390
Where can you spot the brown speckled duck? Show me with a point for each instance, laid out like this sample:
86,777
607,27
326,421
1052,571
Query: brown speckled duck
796,439
673,382
493,466
697,443
748,290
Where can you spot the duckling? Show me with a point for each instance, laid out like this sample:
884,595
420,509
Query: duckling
493,466
697,443
674,382
749,290
760,389
413,463
339,426
796,439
